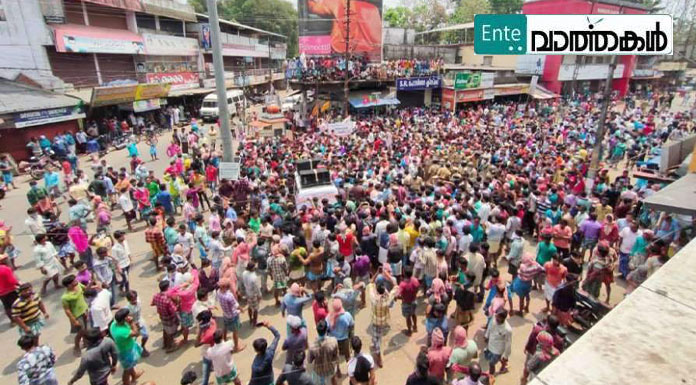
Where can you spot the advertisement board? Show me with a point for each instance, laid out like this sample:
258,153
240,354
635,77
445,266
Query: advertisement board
322,27
178,80
107,96
466,80
418,83
54,115
165,45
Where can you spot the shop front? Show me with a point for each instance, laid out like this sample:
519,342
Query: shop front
27,112
418,91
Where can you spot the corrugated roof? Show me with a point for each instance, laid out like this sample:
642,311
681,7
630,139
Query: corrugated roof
16,97
239,25
454,27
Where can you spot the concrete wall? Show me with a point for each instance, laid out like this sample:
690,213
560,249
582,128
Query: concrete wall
468,57
22,40
399,36
395,52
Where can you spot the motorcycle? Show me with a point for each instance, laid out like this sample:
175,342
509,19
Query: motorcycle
37,165
588,310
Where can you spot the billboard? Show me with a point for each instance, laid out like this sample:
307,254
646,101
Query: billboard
322,25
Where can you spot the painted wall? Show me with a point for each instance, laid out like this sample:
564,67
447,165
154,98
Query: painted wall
22,39
469,58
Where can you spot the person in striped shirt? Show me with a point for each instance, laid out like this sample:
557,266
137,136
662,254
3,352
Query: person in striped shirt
27,311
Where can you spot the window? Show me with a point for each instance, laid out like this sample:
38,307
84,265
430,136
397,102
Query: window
229,101
145,21
488,60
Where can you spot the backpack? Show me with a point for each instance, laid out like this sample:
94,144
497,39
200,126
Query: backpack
362,369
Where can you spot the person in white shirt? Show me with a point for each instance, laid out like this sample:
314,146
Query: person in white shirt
220,355
185,239
127,206
122,256
252,290
100,310
34,222
627,238
499,338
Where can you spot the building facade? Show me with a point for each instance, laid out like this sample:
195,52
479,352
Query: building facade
128,55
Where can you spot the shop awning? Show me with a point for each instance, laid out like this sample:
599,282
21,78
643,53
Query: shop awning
540,92
18,97
84,94
360,103
679,197
86,39
190,91
182,11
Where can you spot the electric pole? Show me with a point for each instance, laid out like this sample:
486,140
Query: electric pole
601,128
218,64
346,57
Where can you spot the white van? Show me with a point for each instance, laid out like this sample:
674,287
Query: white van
209,109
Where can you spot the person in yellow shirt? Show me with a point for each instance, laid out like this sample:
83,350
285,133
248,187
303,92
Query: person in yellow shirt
410,228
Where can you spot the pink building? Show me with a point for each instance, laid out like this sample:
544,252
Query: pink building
587,72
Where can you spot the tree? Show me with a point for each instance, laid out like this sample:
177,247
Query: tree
200,6
506,6
464,13
277,16
399,17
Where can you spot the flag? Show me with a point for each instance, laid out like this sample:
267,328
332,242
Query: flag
325,107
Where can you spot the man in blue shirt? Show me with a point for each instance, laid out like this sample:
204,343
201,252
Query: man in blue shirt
165,199
340,325
262,366
52,182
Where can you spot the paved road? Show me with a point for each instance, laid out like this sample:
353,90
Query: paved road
166,369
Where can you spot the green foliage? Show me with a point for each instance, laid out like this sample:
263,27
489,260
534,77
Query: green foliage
464,13
277,16
200,6
506,6
398,17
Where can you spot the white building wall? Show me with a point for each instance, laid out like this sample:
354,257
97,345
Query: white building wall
22,39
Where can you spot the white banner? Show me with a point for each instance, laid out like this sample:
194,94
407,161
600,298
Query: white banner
343,128
229,170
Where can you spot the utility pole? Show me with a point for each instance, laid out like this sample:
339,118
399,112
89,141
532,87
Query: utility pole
346,57
224,113
601,128
270,70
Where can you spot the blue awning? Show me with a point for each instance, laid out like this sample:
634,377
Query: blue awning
358,103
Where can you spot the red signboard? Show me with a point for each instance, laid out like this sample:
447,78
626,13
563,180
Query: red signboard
178,80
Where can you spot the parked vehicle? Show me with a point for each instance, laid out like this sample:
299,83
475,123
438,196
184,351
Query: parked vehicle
210,110
37,165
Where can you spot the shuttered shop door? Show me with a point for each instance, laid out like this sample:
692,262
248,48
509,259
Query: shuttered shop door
116,67
75,68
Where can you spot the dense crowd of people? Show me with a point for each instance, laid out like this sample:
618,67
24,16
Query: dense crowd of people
333,68
432,206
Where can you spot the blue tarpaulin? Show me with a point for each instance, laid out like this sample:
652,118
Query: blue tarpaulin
358,103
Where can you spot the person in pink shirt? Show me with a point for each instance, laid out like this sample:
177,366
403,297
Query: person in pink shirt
79,239
320,307
438,355
562,235
241,253
214,222
186,292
